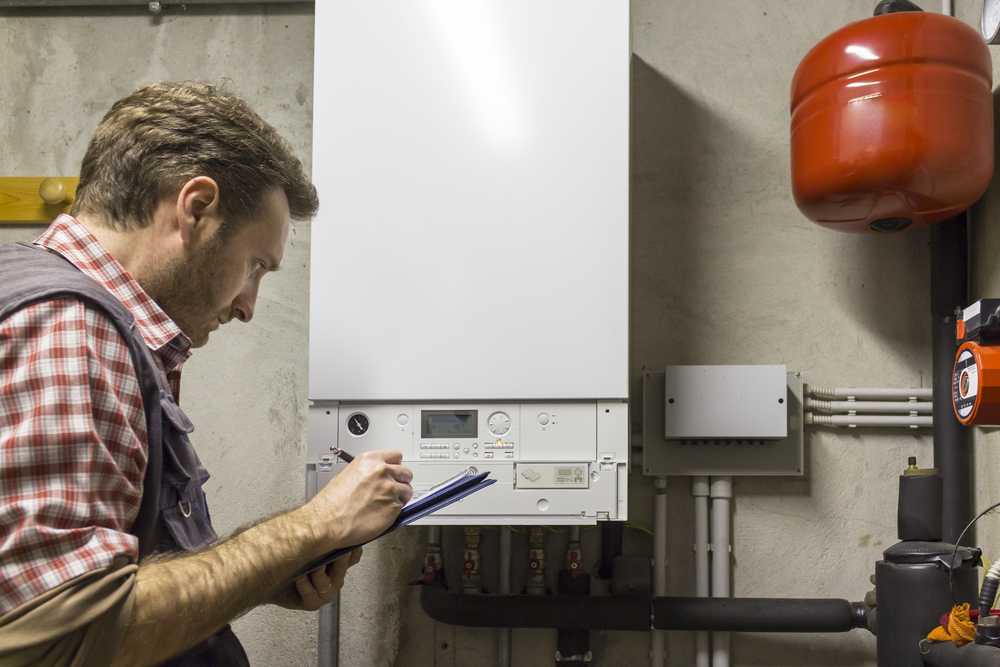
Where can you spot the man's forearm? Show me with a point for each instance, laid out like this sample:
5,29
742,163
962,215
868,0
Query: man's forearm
181,601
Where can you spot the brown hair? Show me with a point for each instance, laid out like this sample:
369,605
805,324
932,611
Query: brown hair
153,141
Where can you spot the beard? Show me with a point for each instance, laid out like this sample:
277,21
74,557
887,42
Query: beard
187,290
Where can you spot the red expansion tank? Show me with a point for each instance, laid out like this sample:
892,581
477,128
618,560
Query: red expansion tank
892,123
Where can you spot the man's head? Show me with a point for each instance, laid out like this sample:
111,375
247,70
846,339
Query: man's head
164,134
192,191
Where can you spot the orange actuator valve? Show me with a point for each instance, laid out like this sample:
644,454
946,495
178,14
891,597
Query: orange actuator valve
892,123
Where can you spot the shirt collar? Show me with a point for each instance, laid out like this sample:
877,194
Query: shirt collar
73,241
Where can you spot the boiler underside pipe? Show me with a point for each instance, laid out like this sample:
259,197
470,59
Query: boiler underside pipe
640,613
758,614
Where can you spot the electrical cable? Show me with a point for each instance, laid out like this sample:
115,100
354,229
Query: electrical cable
636,526
951,569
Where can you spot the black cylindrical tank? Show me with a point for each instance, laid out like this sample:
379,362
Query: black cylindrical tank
912,591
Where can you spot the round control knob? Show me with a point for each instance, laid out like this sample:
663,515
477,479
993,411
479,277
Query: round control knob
403,419
499,423
543,419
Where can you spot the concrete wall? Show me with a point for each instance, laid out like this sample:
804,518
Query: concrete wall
724,271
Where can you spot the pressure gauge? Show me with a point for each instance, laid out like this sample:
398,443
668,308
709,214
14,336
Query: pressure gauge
357,424
989,25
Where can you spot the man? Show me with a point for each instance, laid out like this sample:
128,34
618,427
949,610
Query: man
184,204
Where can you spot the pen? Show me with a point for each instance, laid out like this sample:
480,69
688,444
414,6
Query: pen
344,456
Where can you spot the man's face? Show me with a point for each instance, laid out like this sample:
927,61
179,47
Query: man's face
218,281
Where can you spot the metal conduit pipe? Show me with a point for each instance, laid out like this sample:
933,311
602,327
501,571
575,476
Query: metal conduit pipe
503,640
640,613
721,493
658,640
870,394
700,491
868,406
952,448
889,421
329,634
41,4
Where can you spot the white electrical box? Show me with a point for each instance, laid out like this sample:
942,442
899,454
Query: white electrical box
713,402
470,256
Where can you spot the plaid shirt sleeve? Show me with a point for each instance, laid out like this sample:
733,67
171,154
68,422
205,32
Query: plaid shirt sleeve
72,447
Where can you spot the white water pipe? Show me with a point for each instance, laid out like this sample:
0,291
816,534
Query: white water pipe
659,638
721,493
700,491
869,420
869,394
869,406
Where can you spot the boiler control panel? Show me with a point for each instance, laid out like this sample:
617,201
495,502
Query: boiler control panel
555,463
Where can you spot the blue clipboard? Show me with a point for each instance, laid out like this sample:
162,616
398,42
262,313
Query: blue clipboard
416,509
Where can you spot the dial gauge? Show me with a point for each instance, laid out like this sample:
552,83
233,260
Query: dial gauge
989,24
357,424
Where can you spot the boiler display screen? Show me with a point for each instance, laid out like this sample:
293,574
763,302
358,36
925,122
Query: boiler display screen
448,423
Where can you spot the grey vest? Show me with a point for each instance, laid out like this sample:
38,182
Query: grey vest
173,514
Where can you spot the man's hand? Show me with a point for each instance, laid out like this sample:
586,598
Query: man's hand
361,501
182,599
310,592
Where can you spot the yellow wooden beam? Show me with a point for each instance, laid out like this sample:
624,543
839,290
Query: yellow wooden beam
35,199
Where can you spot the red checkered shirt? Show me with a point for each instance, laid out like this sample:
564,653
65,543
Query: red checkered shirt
73,440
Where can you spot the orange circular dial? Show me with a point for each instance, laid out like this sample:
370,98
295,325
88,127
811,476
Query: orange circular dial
975,386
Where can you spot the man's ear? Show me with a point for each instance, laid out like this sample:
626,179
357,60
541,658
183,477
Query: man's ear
197,210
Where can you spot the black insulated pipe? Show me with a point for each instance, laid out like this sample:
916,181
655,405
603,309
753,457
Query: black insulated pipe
952,449
893,6
566,612
571,612
758,614
947,654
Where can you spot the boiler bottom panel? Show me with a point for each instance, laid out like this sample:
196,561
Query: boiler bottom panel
555,463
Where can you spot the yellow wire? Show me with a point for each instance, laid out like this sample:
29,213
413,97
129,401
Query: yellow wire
638,527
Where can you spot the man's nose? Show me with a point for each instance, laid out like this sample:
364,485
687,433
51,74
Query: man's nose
244,302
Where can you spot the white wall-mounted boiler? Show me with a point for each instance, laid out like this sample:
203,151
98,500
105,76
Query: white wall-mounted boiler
469,288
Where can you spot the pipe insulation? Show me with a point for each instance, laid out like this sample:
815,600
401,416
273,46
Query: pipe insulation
700,491
952,445
869,406
658,639
721,493
869,394
758,614
887,421
640,613
948,654
567,612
